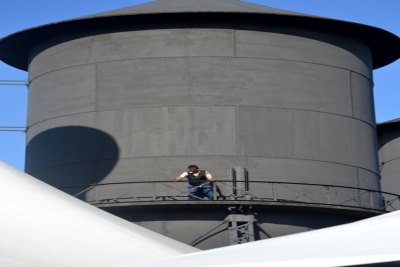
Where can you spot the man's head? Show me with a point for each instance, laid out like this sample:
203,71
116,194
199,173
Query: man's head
193,168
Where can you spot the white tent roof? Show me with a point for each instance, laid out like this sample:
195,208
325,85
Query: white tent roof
41,226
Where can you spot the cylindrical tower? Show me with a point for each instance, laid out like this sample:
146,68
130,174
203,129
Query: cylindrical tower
137,94
389,155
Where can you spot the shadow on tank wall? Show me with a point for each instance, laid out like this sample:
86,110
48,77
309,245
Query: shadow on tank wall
65,157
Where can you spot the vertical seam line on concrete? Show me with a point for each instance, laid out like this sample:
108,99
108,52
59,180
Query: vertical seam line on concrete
358,184
351,93
95,85
234,42
237,131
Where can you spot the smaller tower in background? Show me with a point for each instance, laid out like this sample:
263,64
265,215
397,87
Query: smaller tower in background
389,155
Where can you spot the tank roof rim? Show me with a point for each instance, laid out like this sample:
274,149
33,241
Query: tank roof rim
12,40
389,123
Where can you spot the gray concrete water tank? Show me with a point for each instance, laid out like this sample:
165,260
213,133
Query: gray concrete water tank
389,155
137,94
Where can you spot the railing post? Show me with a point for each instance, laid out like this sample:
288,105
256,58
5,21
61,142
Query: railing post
154,196
377,200
214,190
328,194
273,191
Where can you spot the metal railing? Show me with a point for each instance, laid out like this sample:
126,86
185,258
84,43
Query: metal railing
258,191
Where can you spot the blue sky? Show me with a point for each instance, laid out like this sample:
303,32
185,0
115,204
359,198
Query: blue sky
17,15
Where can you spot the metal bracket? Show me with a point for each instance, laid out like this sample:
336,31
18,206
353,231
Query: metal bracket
241,228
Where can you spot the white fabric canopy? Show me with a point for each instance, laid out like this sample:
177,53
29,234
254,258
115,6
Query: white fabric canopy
41,226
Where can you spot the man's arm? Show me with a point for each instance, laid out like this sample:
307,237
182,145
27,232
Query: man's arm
180,177
209,177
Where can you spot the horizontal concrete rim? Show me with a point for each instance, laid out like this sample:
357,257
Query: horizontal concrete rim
16,48
356,212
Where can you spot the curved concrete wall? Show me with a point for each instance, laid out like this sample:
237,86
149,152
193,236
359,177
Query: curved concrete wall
217,97
389,156
290,105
